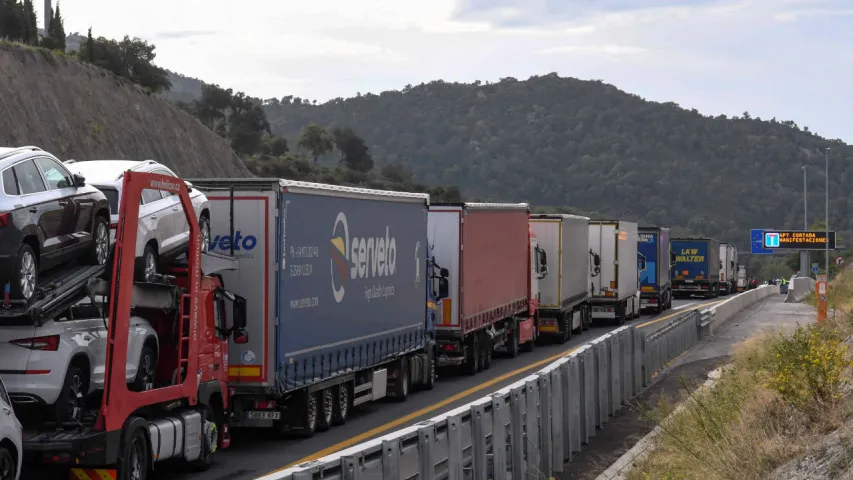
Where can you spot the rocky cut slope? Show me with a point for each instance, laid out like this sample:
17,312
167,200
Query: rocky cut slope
79,111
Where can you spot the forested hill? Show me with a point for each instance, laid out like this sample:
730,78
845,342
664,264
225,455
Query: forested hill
588,145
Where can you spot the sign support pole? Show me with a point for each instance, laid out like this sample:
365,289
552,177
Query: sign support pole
820,288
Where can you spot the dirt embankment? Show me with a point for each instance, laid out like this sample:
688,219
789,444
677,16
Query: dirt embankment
75,110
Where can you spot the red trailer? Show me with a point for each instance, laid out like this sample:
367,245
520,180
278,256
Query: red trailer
489,263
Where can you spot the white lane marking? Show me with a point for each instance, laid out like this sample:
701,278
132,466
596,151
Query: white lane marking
684,306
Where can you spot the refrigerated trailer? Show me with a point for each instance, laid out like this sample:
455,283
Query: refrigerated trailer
697,267
492,262
564,291
728,268
655,259
741,278
615,293
336,284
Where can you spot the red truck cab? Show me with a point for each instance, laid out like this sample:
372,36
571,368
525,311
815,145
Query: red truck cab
184,412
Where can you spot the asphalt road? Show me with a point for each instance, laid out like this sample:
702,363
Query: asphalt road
254,453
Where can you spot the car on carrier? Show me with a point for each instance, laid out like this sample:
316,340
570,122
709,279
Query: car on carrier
11,433
53,366
48,217
163,228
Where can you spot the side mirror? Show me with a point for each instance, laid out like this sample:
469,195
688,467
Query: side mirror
543,259
188,184
443,288
79,180
239,313
596,259
241,337
444,273
672,257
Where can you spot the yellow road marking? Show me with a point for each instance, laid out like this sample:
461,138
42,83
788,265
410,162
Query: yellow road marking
447,401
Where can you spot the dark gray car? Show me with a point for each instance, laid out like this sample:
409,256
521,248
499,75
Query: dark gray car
48,216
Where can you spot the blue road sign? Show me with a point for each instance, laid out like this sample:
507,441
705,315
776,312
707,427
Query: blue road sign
757,243
815,268
771,239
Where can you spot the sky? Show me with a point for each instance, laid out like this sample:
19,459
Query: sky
789,59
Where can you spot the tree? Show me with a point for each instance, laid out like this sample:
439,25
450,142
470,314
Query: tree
316,140
90,47
30,24
55,38
18,21
354,152
278,146
131,58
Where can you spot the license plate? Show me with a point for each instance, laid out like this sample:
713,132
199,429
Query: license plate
688,281
266,415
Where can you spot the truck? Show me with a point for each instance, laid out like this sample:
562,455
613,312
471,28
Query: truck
564,291
741,278
728,268
493,264
655,258
696,269
336,283
183,414
615,289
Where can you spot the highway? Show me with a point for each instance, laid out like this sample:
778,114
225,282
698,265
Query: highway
255,453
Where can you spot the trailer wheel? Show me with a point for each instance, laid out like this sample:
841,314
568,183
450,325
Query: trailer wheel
310,412
343,401
586,318
472,356
621,312
401,383
512,345
566,321
487,354
327,406
134,460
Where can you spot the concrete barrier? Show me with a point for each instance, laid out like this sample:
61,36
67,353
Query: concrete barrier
715,316
799,288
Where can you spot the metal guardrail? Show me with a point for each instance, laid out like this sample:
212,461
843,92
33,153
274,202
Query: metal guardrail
529,429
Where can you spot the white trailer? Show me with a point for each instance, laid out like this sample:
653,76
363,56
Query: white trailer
564,291
728,268
741,278
615,282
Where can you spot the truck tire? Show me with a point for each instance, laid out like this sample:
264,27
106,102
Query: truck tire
432,373
402,383
327,408
488,349
209,441
472,356
512,342
309,414
134,459
343,403
586,319
621,312
566,326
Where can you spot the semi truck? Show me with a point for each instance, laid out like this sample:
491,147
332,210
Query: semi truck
183,414
655,258
697,267
741,278
615,286
564,291
493,264
336,282
728,269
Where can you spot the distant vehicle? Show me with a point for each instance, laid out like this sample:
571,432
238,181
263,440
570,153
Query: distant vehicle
697,267
49,217
741,279
163,229
71,348
655,259
615,292
728,268
11,453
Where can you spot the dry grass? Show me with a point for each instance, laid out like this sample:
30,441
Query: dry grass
748,424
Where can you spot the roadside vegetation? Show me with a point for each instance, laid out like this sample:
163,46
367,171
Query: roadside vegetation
784,397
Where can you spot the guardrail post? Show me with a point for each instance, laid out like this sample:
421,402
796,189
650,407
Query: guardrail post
391,458
532,423
350,469
499,416
426,446
546,439
573,396
454,447
478,442
516,405
589,397
615,377
636,361
304,475
602,388
559,435
646,352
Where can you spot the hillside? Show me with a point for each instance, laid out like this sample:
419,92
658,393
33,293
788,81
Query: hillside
76,110
588,145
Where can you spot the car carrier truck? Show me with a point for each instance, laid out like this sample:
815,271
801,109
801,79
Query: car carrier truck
655,258
183,414
697,267
336,281
728,268
493,265
564,291
615,291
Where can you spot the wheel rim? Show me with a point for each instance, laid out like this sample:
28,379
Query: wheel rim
6,466
328,401
211,436
205,235
75,396
28,274
137,463
312,411
150,265
405,380
343,400
101,243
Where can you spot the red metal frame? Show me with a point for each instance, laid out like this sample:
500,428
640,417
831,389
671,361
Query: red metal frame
118,402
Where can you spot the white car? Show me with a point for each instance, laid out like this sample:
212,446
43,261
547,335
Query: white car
11,453
163,228
55,365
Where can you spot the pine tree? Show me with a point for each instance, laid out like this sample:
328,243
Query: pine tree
57,31
31,33
90,47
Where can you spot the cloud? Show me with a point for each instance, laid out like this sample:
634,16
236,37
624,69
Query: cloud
782,58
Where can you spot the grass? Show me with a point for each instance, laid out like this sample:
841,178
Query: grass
780,396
